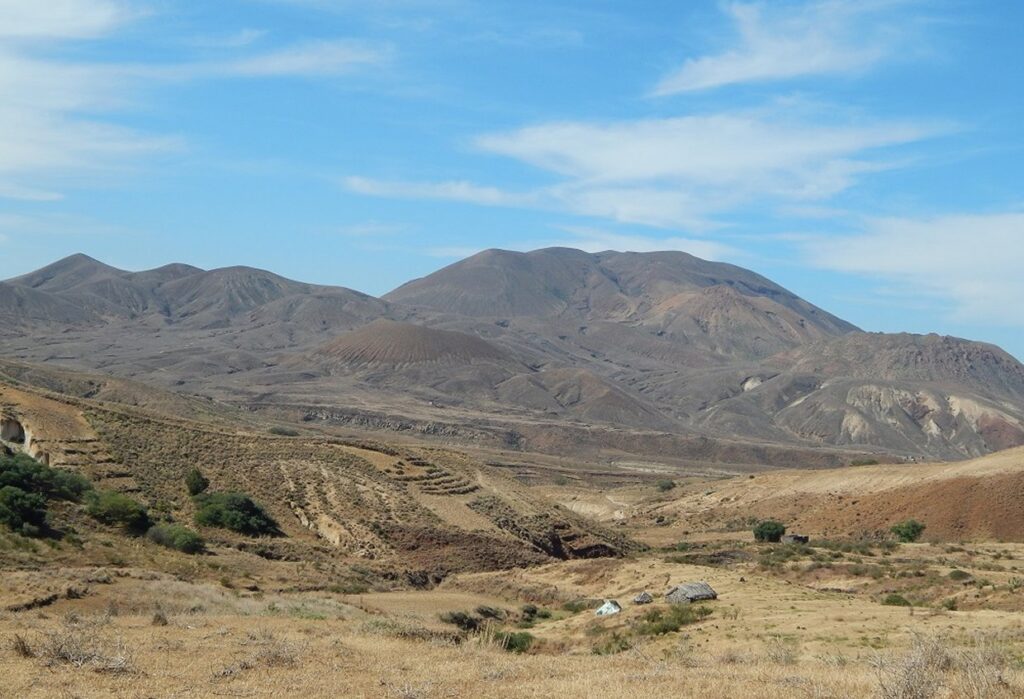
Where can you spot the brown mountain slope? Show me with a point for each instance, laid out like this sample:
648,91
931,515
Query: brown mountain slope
387,342
420,510
968,500
716,306
554,340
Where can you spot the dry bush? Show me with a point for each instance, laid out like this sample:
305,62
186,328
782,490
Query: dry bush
21,647
918,674
270,652
981,670
80,646
779,652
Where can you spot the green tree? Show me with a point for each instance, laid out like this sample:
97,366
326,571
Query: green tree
666,485
769,530
235,511
116,509
177,537
908,531
21,511
196,482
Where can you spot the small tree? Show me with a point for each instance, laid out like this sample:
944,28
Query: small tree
666,485
908,531
196,482
235,511
769,530
21,511
118,510
175,536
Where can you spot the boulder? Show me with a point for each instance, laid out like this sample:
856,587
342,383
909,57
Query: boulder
690,592
609,607
794,539
643,598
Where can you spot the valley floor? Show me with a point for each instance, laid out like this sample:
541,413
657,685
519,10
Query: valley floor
130,632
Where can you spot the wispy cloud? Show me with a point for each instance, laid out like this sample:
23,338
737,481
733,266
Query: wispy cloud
678,172
777,41
598,240
320,58
62,19
460,191
57,115
972,262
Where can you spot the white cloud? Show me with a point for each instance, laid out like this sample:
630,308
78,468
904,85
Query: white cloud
320,58
55,125
460,191
243,37
61,19
678,172
972,262
779,41
598,240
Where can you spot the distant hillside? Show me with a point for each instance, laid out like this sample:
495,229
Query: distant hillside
658,356
717,306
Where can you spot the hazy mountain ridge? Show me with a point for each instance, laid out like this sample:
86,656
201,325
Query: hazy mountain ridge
661,342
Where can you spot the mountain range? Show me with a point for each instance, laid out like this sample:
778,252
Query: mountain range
623,357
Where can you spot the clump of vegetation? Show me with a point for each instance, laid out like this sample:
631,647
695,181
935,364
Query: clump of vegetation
515,641
895,600
665,485
26,485
464,620
25,473
235,511
579,605
658,622
529,615
283,432
959,575
23,512
617,643
196,482
769,530
864,462
908,531
487,612
120,510
177,537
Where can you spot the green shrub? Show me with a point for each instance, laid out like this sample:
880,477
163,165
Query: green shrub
24,472
894,600
611,646
21,511
116,509
515,641
177,537
665,485
959,575
283,432
908,531
196,482
579,605
658,622
235,511
464,620
487,612
769,530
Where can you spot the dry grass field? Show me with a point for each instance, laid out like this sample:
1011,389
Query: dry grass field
129,632
418,572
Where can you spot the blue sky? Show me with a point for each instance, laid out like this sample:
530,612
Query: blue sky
865,153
